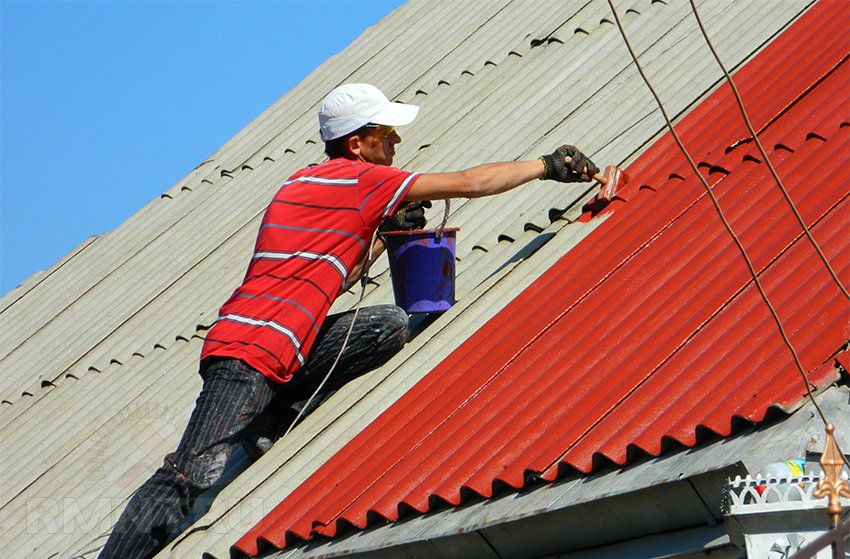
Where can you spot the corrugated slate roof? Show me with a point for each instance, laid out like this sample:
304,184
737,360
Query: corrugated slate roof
99,354
647,331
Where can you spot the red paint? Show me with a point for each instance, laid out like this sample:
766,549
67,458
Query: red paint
649,328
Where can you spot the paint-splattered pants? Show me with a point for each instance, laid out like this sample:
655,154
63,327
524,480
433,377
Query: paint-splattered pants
232,397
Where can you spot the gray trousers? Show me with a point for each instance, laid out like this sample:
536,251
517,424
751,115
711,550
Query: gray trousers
235,396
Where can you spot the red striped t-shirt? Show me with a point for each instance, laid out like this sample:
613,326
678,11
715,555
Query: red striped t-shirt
315,230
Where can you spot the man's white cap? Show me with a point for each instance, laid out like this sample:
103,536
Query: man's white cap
352,105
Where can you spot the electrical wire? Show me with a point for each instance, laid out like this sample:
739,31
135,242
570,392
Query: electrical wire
782,188
767,161
722,216
306,405
363,283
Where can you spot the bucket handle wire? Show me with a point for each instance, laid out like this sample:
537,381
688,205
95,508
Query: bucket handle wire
439,230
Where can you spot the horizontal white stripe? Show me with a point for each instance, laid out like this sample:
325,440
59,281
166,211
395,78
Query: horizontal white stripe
333,260
271,324
323,180
398,194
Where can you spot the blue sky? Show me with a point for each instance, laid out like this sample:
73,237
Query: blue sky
104,105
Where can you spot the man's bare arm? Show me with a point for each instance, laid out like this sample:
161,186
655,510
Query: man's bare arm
475,182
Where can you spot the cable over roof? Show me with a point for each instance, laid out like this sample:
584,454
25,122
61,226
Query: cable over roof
645,336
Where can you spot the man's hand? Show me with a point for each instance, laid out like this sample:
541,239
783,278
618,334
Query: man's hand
578,169
407,218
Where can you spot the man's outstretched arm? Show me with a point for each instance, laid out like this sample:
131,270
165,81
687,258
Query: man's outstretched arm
566,164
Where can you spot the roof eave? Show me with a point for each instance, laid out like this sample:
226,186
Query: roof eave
683,489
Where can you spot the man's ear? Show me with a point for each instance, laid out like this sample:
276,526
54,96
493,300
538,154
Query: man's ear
353,145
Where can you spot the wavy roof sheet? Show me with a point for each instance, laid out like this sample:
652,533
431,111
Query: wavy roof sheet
649,330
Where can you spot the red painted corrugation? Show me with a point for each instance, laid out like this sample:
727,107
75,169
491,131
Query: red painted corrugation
648,330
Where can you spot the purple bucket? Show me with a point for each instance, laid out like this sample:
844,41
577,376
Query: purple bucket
422,266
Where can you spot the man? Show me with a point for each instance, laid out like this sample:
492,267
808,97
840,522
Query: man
273,342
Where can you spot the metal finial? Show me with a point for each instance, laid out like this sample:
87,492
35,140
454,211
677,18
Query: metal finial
832,485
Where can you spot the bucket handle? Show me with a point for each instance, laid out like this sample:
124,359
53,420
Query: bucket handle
439,230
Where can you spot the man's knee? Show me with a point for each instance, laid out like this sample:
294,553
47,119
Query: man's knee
394,325
201,472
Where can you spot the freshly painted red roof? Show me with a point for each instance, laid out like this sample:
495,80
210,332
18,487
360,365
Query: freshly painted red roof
648,330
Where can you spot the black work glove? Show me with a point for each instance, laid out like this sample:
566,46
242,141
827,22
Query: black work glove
407,218
578,169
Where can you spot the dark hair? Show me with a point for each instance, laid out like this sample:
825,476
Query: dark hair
336,147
